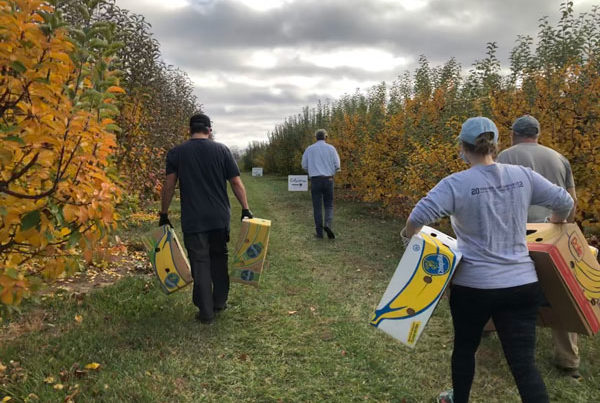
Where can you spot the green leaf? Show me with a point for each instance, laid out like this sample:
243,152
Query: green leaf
77,35
7,128
98,43
35,283
3,211
15,138
109,107
30,220
113,128
12,273
49,236
42,80
18,67
57,212
83,11
74,238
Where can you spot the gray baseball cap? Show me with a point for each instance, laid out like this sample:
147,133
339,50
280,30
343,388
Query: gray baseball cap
526,125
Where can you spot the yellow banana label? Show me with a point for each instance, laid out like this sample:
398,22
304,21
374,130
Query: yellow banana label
426,285
250,252
587,276
168,260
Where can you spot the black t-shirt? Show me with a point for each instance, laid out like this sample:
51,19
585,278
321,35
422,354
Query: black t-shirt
203,167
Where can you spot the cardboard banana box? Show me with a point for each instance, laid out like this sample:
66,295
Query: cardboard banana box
569,273
250,251
168,259
417,285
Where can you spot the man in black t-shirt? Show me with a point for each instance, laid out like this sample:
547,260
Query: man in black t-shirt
203,168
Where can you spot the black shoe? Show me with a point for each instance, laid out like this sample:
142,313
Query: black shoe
319,236
330,233
219,309
204,321
570,372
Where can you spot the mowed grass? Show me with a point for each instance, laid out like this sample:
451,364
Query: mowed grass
303,336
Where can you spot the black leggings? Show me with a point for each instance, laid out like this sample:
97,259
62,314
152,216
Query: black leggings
514,311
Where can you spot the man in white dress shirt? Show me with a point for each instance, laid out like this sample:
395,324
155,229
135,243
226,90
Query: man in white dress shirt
321,161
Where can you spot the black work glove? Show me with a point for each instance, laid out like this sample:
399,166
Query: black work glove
164,220
246,214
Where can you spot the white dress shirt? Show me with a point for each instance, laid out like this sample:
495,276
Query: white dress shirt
320,159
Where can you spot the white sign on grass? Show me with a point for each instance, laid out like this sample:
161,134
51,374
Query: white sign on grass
257,172
298,183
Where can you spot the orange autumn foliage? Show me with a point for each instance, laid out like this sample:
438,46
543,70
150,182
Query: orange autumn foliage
57,193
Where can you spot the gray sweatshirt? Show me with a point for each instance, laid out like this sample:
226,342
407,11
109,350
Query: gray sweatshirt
488,209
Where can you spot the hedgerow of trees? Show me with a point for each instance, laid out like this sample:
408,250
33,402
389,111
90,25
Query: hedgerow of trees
87,108
396,142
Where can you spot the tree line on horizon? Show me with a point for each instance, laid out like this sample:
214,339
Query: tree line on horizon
397,141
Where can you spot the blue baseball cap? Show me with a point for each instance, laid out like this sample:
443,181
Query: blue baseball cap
473,127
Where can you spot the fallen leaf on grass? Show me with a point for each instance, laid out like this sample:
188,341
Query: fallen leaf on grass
6,398
78,318
71,397
243,357
344,353
64,375
49,379
92,365
292,312
33,396
59,386
2,367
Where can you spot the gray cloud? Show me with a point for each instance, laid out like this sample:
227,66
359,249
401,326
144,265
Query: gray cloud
213,40
446,27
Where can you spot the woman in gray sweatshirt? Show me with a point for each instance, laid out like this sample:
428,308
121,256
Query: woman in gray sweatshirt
496,278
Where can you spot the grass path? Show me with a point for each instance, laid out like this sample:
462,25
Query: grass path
303,336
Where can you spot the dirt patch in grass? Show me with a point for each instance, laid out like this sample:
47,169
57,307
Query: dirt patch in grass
34,321
126,262
98,276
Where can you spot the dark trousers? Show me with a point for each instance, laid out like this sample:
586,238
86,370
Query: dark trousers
321,189
207,252
514,311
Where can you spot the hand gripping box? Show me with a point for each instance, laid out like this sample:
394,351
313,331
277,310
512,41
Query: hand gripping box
569,274
417,285
168,259
250,251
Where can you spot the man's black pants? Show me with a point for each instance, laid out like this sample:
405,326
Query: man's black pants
514,311
207,252
321,189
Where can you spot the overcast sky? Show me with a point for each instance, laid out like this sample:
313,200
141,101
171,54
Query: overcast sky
254,63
